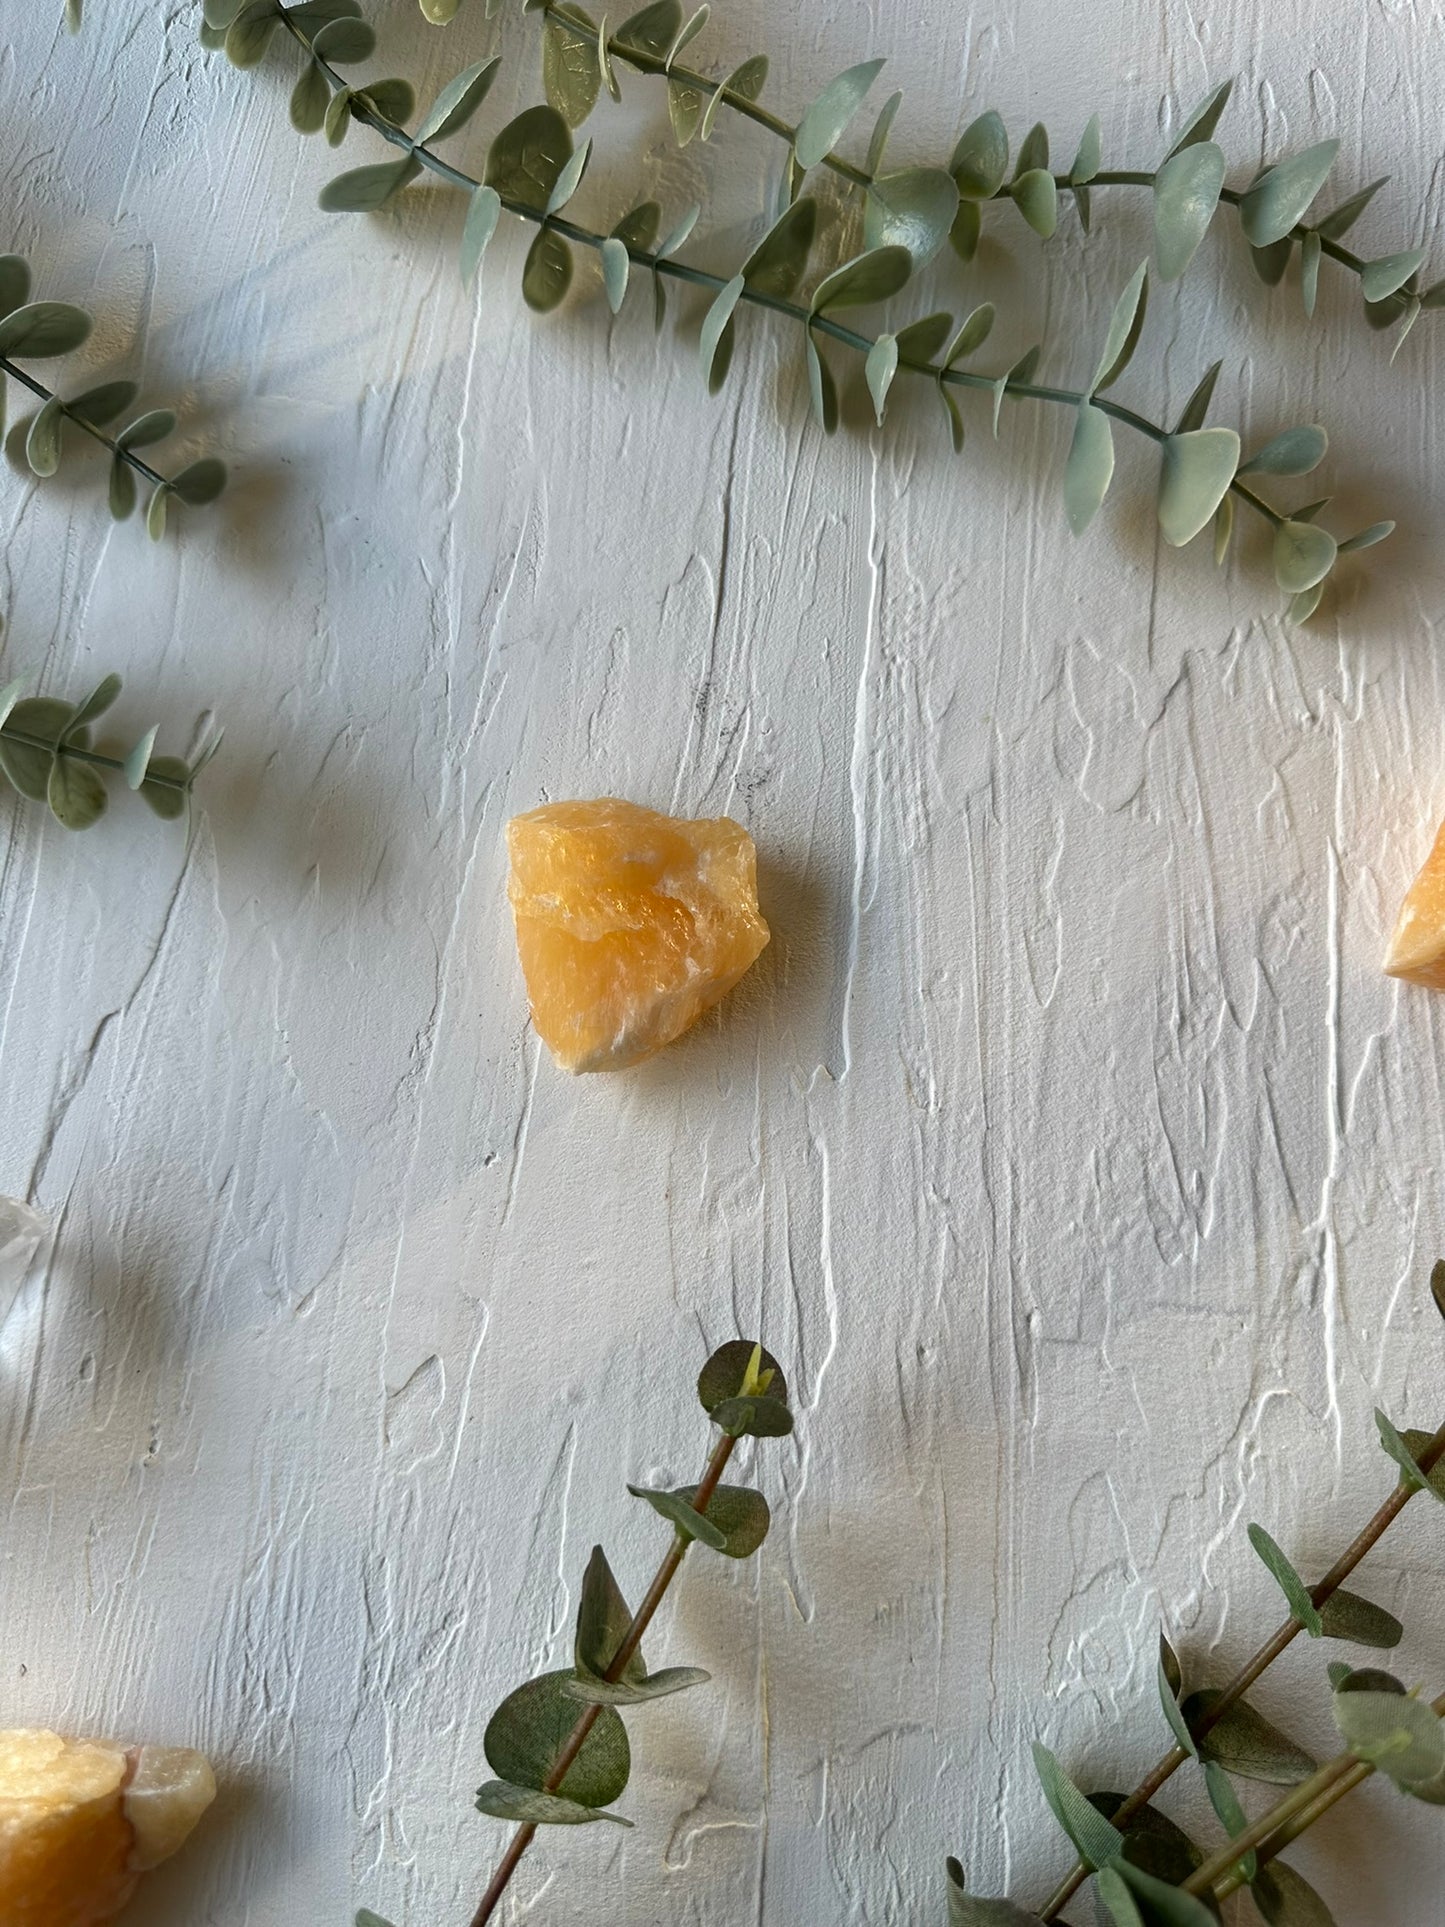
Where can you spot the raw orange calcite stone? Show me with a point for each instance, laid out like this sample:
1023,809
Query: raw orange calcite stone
1417,949
630,924
81,1821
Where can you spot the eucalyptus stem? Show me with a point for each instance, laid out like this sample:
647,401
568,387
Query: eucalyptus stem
9,734
587,1719
1368,1536
649,63
38,388
757,297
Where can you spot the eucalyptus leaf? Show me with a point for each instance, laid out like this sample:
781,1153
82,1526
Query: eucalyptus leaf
345,41
531,1726
1170,1671
685,105
484,210
967,1910
27,765
1197,469
674,239
100,699
166,798
14,282
156,511
827,119
780,260
1303,555
980,160
745,82
1033,151
616,267
1280,198
637,230
1403,1737
571,70
1225,1801
1311,251
1437,1270
963,236
1364,1679
138,759
1197,407
1270,263
823,398
1302,606
739,1513
688,33
1090,466
1366,539
1186,193
1036,197
220,13
1022,370
1123,1909
653,29
1345,1615
879,368
42,443
147,429
528,155
547,271
1086,161
9,696
589,1690
1286,1899
310,99
878,139
766,1418
915,209
458,101
1246,1743
439,12
716,320
364,190
570,179
726,1373
1296,1592
75,793
1336,225
1165,1905
952,415
42,329
1169,1682
1083,204
921,340
200,483
121,494
971,336
1125,325
1201,121
250,31
366,1918
102,404
690,1523
501,1800
604,61
1382,278
1096,1841
874,276
393,100
603,1621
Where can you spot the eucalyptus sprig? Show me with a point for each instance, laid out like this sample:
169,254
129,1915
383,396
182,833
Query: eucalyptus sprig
923,206
47,754
533,171
558,1745
1147,1871
41,331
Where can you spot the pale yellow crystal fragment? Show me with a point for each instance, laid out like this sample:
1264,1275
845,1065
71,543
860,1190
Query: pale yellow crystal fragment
630,924
1417,949
81,1821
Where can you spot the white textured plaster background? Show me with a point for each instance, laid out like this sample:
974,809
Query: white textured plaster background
1068,1143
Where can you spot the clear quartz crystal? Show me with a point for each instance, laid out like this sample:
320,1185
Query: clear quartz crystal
21,1230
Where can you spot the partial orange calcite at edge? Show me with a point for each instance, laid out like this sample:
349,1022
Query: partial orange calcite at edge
81,1821
630,924
1417,949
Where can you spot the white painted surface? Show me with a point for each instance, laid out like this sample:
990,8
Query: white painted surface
1067,1142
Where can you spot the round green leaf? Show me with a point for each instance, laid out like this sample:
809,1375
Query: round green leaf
1225,1801
1197,406
1286,1899
914,209
921,340
1086,160
780,260
1033,151
1037,199
122,489
1090,467
500,1800
249,34
1186,193
653,29
42,329
1382,278
828,117
531,1726
455,105
1336,225
963,236
588,1690
725,1372
201,483
1270,263
393,100
1280,197
1122,1907
1197,469
980,160
1367,538
345,41
338,116
364,190
1246,1743
1166,1905
570,179
1295,452
528,155
769,1418
878,139
310,99
151,427
1094,1839
951,416
14,282
167,798
1403,1737
42,443
637,230
969,1910
27,766
616,267
874,276
744,83
739,1513
971,336
1304,554
571,70
547,274
680,1515
75,793
102,404
100,699
685,104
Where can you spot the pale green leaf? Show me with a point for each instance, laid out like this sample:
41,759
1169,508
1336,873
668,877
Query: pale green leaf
43,329
1197,407
571,70
501,1800
1086,160
1294,452
1122,1907
165,787
138,759
969,1910
1201,121
121,497
1125,325
1270,263
1096,1842
1186,193
14,282
1037,199
1367,538
1090,467
531,1726
484,210
1302,606
716,320
75,793
1033,152
547,271
616,266
1022,371
980,160
1303,555
1169,1702
1382,278
637,230
1246,1743
1197,469
873,276
674,239
249,34
364,190
153,426
653,29
827,119
100,699
685,104
200,483
1400,1450
879,368
963,236
1403,1737
393,100
921,340
1336,225
1167,1906
102,404
42,443
344,41
1296,1592
1286,1899
952,415
1223,529
914,209
457,102
1310,253
971,336
823,396
156,512
687,33
588,1690
310,99
570,179
878,140
1280,198
780,260
527,156
745,82
1225,1801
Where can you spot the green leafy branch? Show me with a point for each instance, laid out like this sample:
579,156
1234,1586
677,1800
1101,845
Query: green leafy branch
922,206
46,753
533,171
43,330
1148,1872
558,1745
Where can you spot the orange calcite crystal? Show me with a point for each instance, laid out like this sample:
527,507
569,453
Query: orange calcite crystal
1417,949
81,1821
630,924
